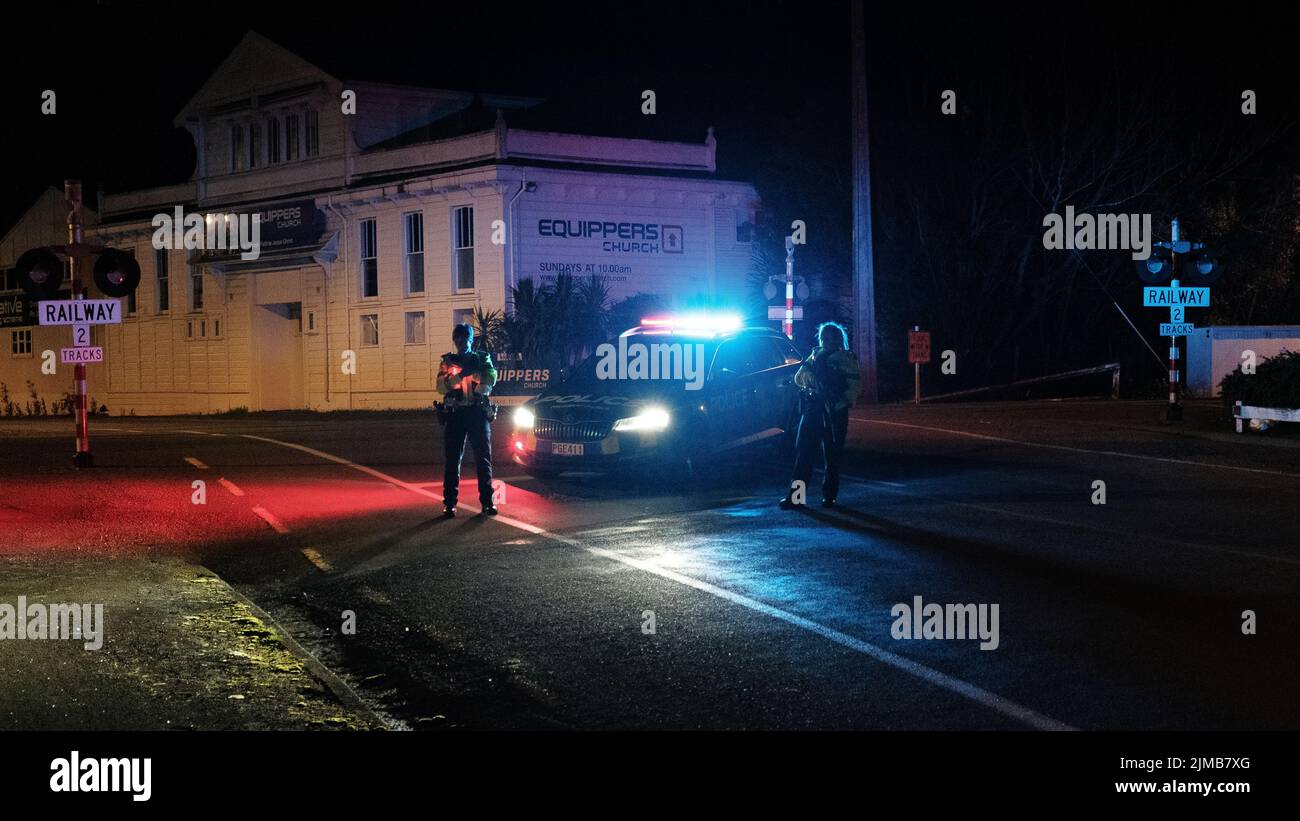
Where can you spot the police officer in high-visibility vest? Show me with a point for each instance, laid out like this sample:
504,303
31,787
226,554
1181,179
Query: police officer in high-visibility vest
465,378
830,383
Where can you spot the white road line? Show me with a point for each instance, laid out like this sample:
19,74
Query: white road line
928,674
230,486
317,559
320,454
271,520
196,463
1069,449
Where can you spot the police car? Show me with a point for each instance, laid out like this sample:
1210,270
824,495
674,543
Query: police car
669,392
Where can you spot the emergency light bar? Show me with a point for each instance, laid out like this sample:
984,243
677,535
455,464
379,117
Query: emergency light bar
694,324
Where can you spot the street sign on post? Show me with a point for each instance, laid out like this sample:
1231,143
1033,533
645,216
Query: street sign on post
1176,297
80,312
78,356
918,346
918,353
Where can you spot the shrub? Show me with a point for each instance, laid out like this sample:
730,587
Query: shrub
37,406
1274,384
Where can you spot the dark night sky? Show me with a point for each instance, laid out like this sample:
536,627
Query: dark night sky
140,63
772,78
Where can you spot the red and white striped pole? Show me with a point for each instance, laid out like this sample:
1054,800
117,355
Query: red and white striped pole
788,325
1174,412
72,193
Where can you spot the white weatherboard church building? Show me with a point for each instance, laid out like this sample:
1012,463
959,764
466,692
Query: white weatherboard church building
377,235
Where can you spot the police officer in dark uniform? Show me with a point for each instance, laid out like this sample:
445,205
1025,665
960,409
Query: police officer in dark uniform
830,383
465,378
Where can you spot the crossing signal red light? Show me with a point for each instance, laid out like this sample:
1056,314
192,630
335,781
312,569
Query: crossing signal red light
117,273
40,272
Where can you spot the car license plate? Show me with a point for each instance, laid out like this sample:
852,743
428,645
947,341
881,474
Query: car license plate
566,449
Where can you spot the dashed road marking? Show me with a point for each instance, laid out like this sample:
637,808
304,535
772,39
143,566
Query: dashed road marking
944,681
317,559
230,486
270,519
196,463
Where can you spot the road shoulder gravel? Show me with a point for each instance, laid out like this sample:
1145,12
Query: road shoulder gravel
180,650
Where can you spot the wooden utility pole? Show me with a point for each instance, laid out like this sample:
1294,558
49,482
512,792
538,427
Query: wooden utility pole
864,282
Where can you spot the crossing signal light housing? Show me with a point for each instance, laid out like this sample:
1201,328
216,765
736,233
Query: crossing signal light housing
1156,268
40,272
1203,269
117,273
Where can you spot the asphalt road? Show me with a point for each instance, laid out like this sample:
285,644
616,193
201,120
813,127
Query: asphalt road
639,602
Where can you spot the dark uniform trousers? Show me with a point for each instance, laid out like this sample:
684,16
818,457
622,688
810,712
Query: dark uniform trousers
461,423
821,429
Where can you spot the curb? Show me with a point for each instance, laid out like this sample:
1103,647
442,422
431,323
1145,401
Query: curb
340,688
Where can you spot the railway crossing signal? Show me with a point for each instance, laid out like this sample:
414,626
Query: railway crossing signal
1168,261
116,274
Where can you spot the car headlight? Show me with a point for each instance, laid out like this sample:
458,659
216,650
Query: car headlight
523,417
649,419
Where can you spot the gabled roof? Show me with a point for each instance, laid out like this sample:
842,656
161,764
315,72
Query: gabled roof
256,64
41,223
14,222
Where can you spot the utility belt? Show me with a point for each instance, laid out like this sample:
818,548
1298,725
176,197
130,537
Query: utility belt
814,401
478,401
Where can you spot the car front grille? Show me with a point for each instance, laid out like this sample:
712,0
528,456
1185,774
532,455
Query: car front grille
558,431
